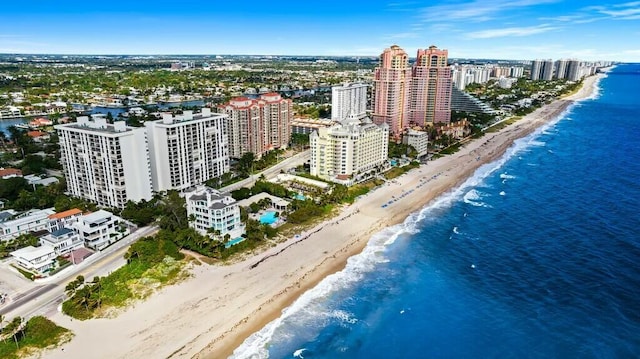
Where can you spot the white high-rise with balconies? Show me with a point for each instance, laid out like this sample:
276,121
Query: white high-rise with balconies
105,163
350,151
348,99
187,149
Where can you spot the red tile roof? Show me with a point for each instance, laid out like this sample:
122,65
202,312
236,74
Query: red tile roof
65,214
9,172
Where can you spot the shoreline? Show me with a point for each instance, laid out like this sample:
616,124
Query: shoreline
212,313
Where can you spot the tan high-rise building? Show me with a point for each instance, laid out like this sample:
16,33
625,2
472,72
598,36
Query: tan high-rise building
257,125
391,86
431,82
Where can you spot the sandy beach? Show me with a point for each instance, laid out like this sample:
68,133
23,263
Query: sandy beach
210,314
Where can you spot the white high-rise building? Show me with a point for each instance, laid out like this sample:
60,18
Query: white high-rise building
105,163
215,213
574,72
536,70
349,99
350,151
561,69
188,149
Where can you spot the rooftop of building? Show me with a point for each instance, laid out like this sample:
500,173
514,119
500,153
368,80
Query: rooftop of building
67,213
61,232
205,193
10,172
97,217
30,253
98,124
169,119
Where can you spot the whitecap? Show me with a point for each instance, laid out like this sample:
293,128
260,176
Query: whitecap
298,353
507,176
502,193
455,230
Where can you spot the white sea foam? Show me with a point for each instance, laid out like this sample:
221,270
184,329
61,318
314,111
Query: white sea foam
474,198
538,143
507,176
298,353
310,304
455,230
503,193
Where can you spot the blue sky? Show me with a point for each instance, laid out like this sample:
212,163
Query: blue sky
507,29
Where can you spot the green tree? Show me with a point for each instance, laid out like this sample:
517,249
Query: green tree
245,163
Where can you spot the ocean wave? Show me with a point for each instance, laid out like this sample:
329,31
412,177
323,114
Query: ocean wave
474,198
507,176
311,303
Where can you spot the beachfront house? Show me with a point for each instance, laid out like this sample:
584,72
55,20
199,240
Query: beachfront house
62,241
100,229
214,213
37,259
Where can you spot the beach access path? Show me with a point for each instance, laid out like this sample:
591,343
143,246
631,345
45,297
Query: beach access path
210,314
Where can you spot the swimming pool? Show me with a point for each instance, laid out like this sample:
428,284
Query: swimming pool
268,217
233,242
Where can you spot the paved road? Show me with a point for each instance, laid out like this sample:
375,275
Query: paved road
44,300
270,172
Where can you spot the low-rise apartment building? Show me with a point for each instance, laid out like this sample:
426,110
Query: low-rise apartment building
214,213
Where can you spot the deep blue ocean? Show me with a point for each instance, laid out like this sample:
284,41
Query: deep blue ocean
536,256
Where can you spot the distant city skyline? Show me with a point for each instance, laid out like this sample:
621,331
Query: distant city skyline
496,29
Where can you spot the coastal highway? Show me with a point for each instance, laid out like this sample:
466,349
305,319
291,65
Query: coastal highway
45,299
270,172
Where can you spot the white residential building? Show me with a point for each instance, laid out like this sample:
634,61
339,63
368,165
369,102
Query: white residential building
38,259
100,229
419,140
348,152
188,149
62,241
214,211
105,163
348,100
64,219
32,221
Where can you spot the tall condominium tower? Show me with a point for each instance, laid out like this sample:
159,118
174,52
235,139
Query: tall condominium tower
536,70
430,96
391,86
542,70
349,99
561,69
257,126
547,70
574,72
105,163
188,149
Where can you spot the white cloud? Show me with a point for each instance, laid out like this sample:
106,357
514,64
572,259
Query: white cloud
628,4
511,32
476,10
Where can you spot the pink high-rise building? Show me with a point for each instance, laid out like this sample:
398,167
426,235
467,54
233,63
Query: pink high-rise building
257,125
431,81
391,86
